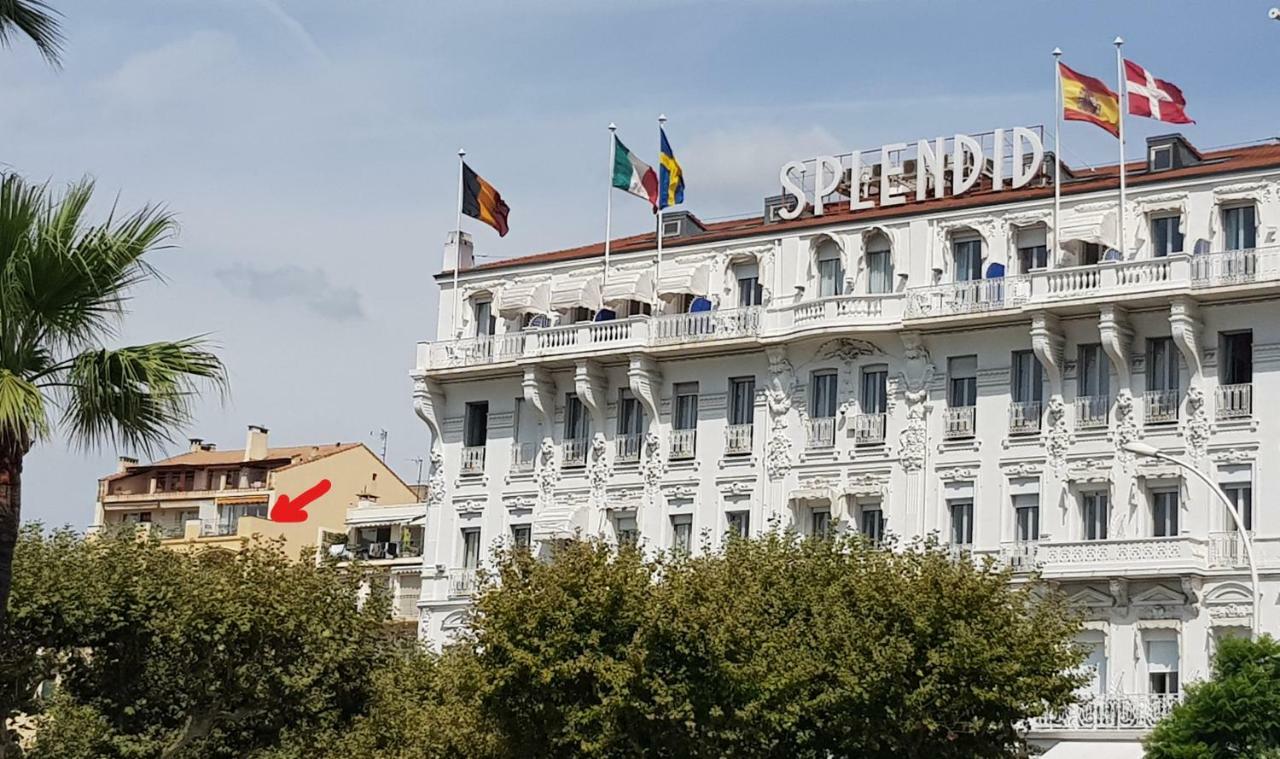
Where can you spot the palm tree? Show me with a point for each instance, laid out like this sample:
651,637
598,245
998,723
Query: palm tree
64,283
36,20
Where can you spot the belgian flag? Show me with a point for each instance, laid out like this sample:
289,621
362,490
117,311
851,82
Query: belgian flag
481,201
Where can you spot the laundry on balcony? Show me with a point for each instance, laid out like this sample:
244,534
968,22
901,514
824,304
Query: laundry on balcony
514,300
578,292
626,286
684,279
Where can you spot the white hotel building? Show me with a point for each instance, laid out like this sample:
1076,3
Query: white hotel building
872,368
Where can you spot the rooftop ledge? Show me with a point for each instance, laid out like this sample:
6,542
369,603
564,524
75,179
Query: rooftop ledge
1049,289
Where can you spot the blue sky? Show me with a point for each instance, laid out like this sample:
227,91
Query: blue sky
308,148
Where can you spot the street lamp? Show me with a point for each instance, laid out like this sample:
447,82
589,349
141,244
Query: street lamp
1145,449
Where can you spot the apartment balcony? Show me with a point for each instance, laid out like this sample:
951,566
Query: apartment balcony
972,297
684,444
473,459
958,422
523,457
626,448
842,310
1110,711
1024,417
1226,550
122,498
869,429
462,583
573,452
820,432
1235,267
1141,557
385,550
675,329
1092,412
1020,556
738,438
1113,278
1234,402
1161,406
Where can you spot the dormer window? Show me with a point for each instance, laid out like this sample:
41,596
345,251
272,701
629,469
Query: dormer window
1161,158
830,270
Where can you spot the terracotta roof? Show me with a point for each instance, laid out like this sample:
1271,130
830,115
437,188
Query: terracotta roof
276,458
1225,161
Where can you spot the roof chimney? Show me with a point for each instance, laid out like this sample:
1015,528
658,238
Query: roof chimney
255,444
455,251
194,444
124,462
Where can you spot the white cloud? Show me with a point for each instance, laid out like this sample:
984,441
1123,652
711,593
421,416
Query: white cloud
309,288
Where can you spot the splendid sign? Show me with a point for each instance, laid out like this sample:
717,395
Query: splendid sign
968,158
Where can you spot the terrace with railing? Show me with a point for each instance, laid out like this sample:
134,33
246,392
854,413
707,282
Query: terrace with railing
1234,401
738,438
820,432
626,448
958,422
1110,711
574,452
473,459
1092,411
1024,417
1161,406
683,443
869,429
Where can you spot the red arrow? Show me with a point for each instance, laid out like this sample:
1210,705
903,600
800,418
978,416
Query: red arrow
295,510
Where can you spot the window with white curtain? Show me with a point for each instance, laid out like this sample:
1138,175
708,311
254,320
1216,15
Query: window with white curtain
1095,513
682,533
1026,517
966,255
1239,227
1164,513
830,270
822,395
1033,249
875,389
1162,665
685,415
1027,378
742,400
879,259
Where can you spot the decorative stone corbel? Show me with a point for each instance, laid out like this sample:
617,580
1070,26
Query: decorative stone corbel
1119,588
1047,342
428,403
540,392
1117,339
645,380
590,384
1186,328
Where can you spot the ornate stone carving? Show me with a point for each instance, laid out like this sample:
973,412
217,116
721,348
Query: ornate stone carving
1023,469
540,392
644,378
1185,326
1119,590
424,624
914,436
1117,337
777,460
428,403
918,368
1047,343
1057,436
1235,456
1196,429
957,474
1231,611
591,386
1093,471
867,484
599,470
653,466
1127,429
546,472
778,398
436,482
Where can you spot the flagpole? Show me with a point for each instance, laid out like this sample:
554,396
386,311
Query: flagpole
457,251
608,214
657,270
1123,106
1057,153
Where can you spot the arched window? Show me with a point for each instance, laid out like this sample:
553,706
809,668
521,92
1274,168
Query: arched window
879,258
830,269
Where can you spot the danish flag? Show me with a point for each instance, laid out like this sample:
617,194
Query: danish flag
1154,98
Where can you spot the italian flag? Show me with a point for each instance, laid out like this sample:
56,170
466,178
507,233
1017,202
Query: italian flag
633,175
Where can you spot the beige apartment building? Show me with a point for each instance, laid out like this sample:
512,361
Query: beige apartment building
223,498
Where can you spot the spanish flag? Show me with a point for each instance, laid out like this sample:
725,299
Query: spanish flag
1087,99
481,201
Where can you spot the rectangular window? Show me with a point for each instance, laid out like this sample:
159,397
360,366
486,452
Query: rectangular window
1092,253
1162,158
1162,666
638,308
626,530
961,521
1026,378
686,406
738,523
630,415
581,314
1165,235
875,389
1164,513
1095,512
830,272
871,523
742,400
967,257
819,523
879,272
575,418
682,534
522,535
1026,518
1162,364
485,321
1235,358
476,424
1239,226
962,381
1241,496
471,548
1032,258
1093,371
822,395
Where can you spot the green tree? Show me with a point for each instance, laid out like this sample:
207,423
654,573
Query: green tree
169,655
1234,714
64,283
35,20
779,646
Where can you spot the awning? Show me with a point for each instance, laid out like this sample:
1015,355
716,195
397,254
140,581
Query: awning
684,279
517,300
1096,227
1094,750
561,521
572,293
629,285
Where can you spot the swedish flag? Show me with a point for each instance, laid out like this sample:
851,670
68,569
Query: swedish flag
670,176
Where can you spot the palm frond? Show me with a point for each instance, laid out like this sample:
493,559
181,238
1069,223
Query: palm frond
135,397
36,20
23,416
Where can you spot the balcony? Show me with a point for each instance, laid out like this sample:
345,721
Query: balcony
1020,556
385,550
574,452
820,432
1111,278
1128,556
1235,267
684,444
523,457
1092,412
973,297
1161,406
462,583
738,439
848,309
181,495
1234,402
626,448
958,422
1226,550
705,325
1024,418
473,459
1111,711
869,429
